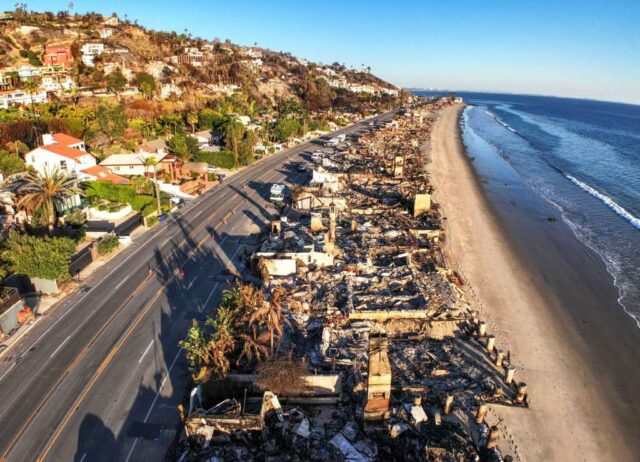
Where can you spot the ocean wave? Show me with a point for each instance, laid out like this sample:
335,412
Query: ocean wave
613,205
501,122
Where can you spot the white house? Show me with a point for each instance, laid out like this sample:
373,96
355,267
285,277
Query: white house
389,91
29,72
57,83
106,33
21,98
68,154
133,164
169,89
90,51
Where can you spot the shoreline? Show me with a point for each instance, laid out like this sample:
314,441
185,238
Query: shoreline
549,350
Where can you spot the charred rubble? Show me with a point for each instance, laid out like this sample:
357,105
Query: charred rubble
397,366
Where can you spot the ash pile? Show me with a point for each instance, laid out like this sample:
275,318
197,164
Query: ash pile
359,345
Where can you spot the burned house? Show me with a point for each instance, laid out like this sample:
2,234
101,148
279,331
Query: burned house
373,304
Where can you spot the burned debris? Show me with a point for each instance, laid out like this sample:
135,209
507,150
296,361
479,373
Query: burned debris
360,344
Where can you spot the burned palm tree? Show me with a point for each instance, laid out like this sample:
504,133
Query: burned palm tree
252,347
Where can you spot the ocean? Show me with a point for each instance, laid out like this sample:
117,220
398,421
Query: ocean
580,157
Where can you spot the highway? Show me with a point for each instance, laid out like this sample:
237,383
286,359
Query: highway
100,377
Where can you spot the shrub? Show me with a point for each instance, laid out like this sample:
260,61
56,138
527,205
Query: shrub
39,256
121,193
152,221
108,244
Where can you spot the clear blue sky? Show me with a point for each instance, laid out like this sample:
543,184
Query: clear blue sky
566,48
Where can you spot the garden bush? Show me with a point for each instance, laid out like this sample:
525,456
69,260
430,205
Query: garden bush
107,244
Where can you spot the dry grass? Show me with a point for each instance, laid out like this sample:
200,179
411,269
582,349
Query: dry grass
282,375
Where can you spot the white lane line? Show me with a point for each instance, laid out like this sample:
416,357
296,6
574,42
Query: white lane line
119,284
191,283
209,297
155,400
52,326
198,214
83,456
7,371
60,346
145,352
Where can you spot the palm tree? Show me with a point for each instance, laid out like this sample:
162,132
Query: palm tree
31,86
151,162
44,192
140,184
252,347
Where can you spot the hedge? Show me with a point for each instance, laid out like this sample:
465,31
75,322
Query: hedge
39,256
142,203
221,159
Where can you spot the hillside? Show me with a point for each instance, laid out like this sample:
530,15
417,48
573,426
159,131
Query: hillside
191,68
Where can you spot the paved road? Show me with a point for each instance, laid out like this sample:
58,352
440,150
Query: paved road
100,378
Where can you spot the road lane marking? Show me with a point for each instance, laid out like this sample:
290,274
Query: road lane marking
145,351
119,284
155,400
60,346
7,371
106,360
191,283
83,456
209,297
274,160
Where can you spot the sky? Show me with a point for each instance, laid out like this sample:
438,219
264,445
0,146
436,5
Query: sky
583,49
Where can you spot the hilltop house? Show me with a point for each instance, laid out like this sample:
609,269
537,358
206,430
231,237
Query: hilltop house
57,83
58,55
68,154
90,51
191,55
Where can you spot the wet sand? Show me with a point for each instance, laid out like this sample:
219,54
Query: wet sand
549,301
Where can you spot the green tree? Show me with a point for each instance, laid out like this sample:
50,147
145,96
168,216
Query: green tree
285,129
141,184
116,81
146,83
210,119
183,145
44,193
39,257
111,120
11,163
233,133
192,119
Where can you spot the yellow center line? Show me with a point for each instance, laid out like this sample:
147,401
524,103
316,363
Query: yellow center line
115,350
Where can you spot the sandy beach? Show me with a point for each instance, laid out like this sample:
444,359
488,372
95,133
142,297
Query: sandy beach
575,413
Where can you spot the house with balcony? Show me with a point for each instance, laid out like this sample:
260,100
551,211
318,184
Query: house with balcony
21,98
90,51
193,56
58,55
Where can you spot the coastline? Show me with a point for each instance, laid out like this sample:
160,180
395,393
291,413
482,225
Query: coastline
573,415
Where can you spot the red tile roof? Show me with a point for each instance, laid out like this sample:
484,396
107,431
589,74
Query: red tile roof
65,151
103,174
65,140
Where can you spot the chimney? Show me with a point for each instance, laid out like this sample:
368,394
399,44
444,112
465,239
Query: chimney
47,139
